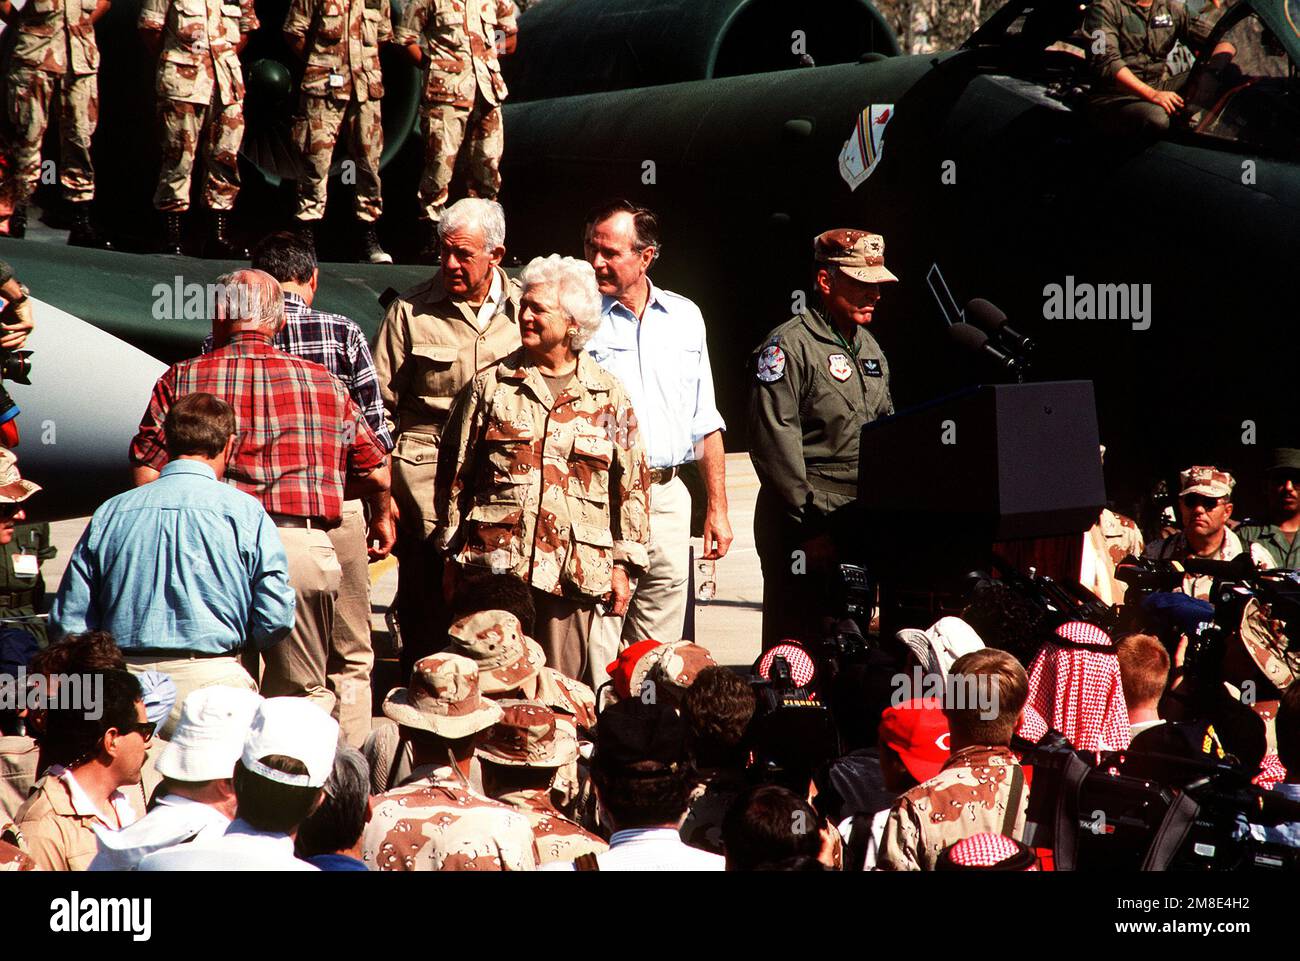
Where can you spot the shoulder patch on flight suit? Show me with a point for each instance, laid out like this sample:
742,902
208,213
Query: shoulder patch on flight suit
840,367
771,364
871,367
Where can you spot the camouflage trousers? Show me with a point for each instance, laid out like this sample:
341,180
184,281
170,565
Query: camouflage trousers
446,129
30,97
221,128
318,131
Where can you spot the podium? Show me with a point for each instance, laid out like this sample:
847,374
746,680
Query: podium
1010,470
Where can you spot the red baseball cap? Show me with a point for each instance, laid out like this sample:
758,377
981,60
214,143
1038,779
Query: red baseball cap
917,732
620,669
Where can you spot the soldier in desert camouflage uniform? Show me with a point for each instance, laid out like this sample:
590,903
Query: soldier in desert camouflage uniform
200,96
513,666
456,43
549,480
981,787
54,65
520,758
342,86
435,821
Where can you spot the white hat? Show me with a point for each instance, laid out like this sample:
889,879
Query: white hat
296,728
210,734
947,639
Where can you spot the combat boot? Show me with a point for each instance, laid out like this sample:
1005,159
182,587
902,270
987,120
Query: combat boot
371,252
83,232
175,222
430,245
221,244
18,222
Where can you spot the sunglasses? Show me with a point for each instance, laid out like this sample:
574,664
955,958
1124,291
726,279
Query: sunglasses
144,728
1193,501
9,511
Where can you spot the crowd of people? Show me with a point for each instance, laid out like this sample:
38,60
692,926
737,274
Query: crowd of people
205,696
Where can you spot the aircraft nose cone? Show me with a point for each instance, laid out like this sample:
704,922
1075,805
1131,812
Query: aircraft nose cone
270,79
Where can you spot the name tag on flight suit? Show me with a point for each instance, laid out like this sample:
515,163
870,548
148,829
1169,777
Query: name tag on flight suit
25,565
1162,20
336,80
871,367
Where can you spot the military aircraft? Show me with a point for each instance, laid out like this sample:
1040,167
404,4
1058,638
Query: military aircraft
1155,267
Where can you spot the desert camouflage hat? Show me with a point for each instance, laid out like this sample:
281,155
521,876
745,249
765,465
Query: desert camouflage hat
443,697
676,664
858,253
1209,481
495,641
12,486
1267,646
528,735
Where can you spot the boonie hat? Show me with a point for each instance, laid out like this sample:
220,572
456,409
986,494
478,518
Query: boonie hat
676,664
443,697
12,486
209,737
527,736
495,641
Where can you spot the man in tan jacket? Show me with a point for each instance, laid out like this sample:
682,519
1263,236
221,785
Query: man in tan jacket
433,340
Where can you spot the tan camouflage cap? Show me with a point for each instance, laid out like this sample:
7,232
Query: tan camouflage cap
1267,646
858,253
495,641
1209,481
676,664
528,735
12,486
443,697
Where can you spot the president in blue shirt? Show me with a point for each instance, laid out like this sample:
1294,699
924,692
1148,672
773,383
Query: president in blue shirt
653,341
185,572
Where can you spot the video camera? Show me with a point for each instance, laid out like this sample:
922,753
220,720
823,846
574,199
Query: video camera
1112,814
1236,583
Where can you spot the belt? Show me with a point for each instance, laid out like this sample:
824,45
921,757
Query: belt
20,599
173,654
662,475
311,523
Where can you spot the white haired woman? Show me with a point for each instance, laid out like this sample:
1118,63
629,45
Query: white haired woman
549,481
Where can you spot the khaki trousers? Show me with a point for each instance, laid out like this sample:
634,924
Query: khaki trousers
296,666
351,654
658,607
190,673
563,629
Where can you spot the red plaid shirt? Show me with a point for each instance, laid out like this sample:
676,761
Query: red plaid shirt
299,431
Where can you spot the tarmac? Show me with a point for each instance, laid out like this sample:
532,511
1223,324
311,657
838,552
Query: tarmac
729,626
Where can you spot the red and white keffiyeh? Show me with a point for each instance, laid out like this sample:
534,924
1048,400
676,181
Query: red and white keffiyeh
1077,691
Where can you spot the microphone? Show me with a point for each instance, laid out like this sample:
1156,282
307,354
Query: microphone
976,341
987,316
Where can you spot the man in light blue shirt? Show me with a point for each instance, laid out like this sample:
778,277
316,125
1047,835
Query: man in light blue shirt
184,572
654,342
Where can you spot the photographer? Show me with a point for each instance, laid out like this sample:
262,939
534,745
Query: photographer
1205,502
